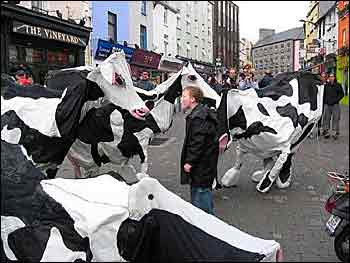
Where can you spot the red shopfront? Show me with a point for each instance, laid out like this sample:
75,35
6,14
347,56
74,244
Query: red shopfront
144,60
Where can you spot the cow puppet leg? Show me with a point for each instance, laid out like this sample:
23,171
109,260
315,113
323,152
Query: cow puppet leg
266,182
285,176
144,168
75,165
258,175
231,177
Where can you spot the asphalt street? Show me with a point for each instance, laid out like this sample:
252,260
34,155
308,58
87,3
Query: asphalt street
295,216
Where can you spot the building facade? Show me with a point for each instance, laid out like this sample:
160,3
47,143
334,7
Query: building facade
343,48
327,27
30,35
226,41
279,52
127,25
310,31
245,52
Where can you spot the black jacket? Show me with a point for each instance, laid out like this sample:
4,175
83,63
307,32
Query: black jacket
333,93
230,84
201,147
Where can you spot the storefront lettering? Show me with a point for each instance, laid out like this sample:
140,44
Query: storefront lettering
46,33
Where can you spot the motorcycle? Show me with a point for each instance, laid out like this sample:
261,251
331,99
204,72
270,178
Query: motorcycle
338,223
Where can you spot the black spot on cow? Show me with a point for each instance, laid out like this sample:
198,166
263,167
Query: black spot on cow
285,171
277,89
238,120
145,97
254,129
307,87
161,235
41,148
35,91
302,120
174,90
291,112
223,126
262,109
23,197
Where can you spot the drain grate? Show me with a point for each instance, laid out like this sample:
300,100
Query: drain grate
158,141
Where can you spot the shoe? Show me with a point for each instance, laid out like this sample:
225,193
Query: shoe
335,136
327,135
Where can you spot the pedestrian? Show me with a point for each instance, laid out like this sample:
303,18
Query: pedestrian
266,80
333,93
23,79
200,150
214,84
248,82
231,81
144,82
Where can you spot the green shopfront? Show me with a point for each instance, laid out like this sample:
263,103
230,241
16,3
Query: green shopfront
40,42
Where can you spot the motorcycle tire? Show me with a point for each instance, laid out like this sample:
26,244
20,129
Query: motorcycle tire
341,245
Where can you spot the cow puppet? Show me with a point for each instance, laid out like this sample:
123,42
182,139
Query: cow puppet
104,219
45,121
271,122
111,134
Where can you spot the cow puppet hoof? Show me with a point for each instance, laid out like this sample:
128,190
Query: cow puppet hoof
139,176
257,176
265,184
285,184
230,178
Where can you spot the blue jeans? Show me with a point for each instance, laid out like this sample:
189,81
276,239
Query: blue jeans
203,199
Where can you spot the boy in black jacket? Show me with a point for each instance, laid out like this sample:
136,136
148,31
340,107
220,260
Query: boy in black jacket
200,151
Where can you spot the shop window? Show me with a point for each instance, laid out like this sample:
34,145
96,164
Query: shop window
34,55
60,57
13,53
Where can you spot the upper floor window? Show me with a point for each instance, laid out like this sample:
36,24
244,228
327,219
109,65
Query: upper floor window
165,16
143,7
178,22
143,37
112,26
39,6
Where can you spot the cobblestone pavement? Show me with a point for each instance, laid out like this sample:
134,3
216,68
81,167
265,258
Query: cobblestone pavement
295,217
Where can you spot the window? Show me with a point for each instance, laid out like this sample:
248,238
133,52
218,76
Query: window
165,16
203,27
178,48
188,27
166,43
143,8
178,22
196,51
38,5
112,26
344,37
188,53
143,37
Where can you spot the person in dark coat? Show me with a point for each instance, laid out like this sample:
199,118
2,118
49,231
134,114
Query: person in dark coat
200,150
266,80
231,81
333,93
144,82
214,84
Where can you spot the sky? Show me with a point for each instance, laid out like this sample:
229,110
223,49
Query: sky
281,15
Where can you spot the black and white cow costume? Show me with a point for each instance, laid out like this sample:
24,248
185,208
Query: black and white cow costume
104,219
271,122
111,134
46,121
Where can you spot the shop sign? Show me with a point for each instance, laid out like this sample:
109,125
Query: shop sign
22,28
145,58
104,49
